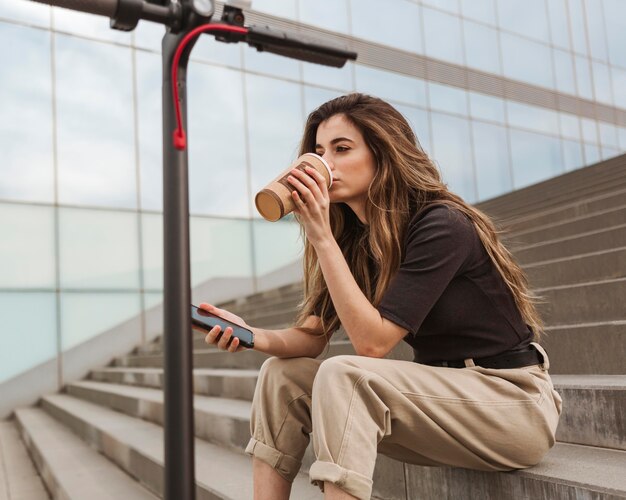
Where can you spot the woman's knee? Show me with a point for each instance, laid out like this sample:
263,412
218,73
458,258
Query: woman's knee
285,376
337,371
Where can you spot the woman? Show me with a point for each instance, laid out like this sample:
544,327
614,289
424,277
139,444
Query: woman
392,255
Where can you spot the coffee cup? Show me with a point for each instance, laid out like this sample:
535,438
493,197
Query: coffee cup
275,201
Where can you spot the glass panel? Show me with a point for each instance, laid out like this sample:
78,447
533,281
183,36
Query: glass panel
536,157
85,315
276,245
559,28
578,27
452,150
219,248
314,97
149,110
564,68
595,25
446,98
527,61
402,15
621,132
443,36
32,13
418,120
583,77
271,64
26,166
275,128
218,180
326,76
449,5
487,107
602,83
389,85
95,124
525,17
609,153
532,117
572,154
480,10
152,299
208,49
491,157
280,8
28,346
614,15
328,14
87,25
590,130
152,249
149,36
570,125
27,247
619,84
98,249
481,47
608,134
592,154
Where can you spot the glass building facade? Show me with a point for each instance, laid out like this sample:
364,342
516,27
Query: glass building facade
81,151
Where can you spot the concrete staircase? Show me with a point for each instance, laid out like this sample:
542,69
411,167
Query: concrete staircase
102,437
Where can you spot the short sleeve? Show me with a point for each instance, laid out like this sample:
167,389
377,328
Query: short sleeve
438,243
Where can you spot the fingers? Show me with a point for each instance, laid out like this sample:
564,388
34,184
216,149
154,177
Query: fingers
222,341
308,184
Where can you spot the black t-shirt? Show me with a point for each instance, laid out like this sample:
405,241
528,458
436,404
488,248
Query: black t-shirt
448,293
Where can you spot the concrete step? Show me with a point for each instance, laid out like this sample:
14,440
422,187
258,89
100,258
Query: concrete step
69,466
19,478
587,348
570,246
591,302
292,291
247,306
595,266
594,410
137,447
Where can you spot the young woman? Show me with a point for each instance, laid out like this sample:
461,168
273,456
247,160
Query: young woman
391,254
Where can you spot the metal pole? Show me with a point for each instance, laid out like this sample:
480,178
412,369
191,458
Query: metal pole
178,421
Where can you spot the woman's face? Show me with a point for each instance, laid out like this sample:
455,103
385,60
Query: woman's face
352,162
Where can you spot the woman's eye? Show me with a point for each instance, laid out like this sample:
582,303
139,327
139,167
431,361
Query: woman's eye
342,148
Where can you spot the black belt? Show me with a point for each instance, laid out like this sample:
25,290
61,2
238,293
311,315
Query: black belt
510,359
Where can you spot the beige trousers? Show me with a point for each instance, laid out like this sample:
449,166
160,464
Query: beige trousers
355,407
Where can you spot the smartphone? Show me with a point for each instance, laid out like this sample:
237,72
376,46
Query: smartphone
207,321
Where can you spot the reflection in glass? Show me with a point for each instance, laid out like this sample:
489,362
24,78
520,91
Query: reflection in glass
583,77
481,47
453,153
592,154
390,85
98,249
326,76
572,154
218,181
480,10
275,126
532,117
559,28
27,346
614,15
276,245
487,107
95,124
525,17
328,14
443,36
26,167
152,250
536,157
446,98
491,157
396,25
418,120
570,125
526,61
564,69
86,315
27,247
33,13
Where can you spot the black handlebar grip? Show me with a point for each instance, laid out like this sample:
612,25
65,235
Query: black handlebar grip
99,7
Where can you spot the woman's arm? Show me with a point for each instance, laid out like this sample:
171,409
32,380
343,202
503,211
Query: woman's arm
292,342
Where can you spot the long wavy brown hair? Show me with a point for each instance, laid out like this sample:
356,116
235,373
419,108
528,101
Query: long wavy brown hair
405,182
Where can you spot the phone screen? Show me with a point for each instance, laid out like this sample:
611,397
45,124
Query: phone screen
207,321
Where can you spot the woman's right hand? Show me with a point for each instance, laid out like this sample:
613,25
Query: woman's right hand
223,341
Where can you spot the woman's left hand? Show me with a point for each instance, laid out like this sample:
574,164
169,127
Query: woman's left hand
312,204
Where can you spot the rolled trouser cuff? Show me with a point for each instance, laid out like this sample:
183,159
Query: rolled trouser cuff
286,465
349,481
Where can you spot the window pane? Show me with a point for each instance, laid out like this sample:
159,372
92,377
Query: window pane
621,132
592,154
619,84
27,247
452,151
449,5
595,24
152,249
577,21
218,180
389,85
275,128
208,49
608,152
85,315
418,120
590,130
526,61
481,47
326,76
558,23
583,77
536,157
602,83
491,157
525,17
572,154
399,19
532,117
28,346
443,36
270,256
564,67
87,25
149,36
26,168
270,64
334,18
98,249
95,124
480,10
314,97
608,134
614,15
486,107
446,98
570,125
33,13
